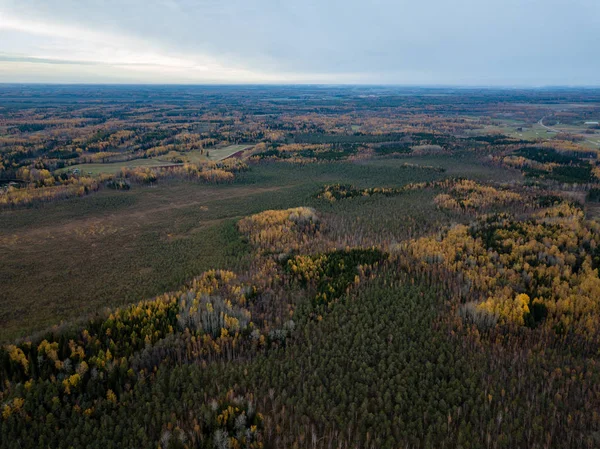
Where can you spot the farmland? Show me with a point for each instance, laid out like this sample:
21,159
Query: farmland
113,168
193,156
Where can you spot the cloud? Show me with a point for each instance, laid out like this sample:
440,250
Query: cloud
30,59
381,41
37,46
55,43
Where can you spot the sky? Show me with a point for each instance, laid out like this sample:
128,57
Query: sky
405,42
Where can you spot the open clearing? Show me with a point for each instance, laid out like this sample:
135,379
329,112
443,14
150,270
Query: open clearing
214,154
195,156
217,154
112,168
538,130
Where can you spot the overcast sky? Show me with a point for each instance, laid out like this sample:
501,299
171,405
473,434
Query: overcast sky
417,42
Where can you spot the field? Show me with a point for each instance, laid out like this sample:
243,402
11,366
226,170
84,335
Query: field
113,168
217,154
211,154
167,234
194,156
540,131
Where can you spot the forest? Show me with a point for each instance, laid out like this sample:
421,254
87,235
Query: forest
299,267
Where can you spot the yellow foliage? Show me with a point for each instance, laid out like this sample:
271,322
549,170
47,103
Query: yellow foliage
111,396
48,191
49,349
18,404
71,381
6,411
469,195
280,231
510,310
550,255
17,355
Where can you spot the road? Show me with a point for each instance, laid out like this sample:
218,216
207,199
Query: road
554,130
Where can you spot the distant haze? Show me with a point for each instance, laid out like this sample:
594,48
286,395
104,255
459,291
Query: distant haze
426,42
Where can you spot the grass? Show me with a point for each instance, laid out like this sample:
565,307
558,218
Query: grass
194,156
112,168
101,263
214,154
536,131
62,260
510,128
199,156
217,154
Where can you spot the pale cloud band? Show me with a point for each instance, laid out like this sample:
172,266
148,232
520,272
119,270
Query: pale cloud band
113,57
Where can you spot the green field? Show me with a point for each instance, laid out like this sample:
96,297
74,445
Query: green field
509,128
214,154
536,131
112,168
194,156
217,154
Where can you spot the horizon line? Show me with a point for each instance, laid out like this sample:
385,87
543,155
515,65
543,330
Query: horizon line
283,84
